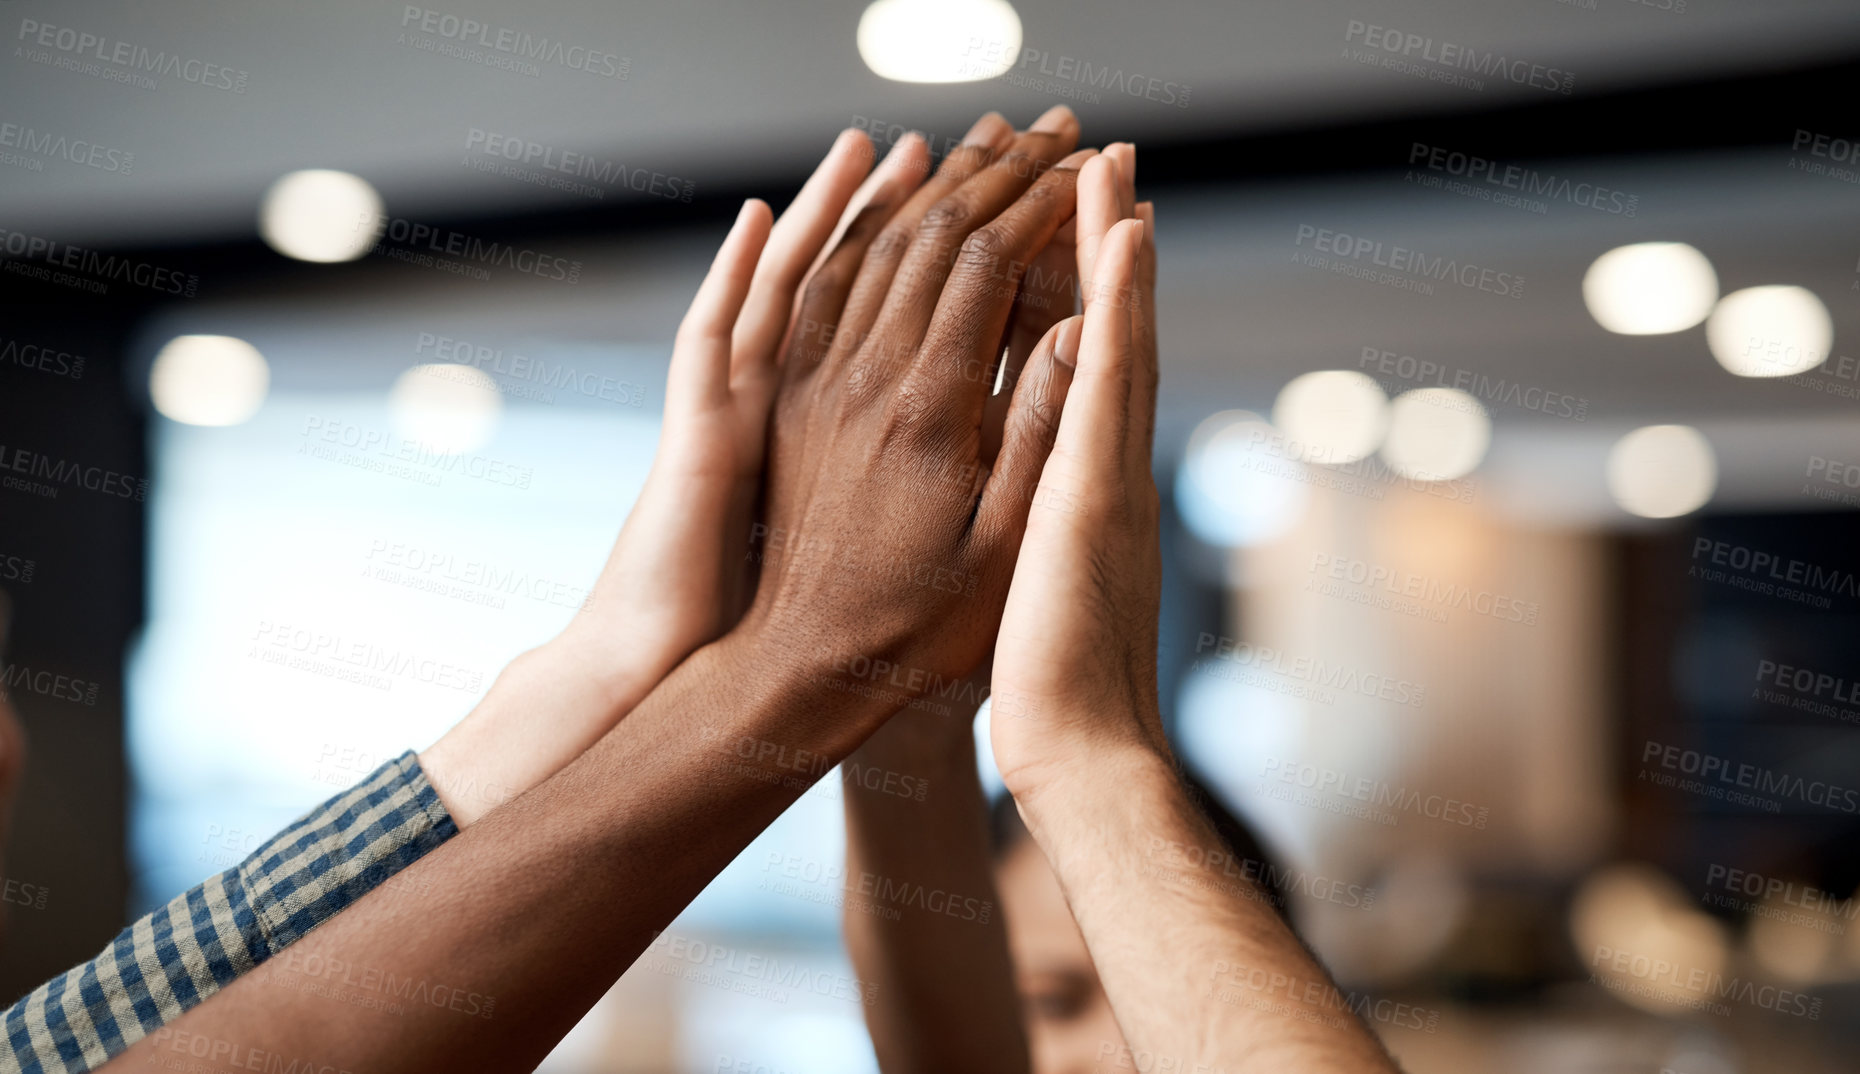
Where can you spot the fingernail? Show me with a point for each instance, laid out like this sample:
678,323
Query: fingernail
1077,159
1066,347
1054,120
1146,212
987,130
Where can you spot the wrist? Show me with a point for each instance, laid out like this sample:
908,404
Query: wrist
793,695
620,664
1085,785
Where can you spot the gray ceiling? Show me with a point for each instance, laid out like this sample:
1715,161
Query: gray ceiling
718,90
725,93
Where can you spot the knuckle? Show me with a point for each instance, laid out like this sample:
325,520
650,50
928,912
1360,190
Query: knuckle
910,409
1042,420
951,214
985,248
891,243
918,419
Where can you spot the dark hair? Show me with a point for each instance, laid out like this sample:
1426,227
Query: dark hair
1250,858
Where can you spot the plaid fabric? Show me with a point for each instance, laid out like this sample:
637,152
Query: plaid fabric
179,955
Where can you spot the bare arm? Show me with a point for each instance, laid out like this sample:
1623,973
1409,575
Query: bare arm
939,973
1199,969
509,932
519,924
935,971
673,580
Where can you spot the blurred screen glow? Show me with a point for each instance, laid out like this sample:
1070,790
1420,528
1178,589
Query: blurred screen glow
320,215
208,380
1436,434
939,40
1650,288
1662,471
1772,331
1333,416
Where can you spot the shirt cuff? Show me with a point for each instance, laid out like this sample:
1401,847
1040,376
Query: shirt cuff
172,959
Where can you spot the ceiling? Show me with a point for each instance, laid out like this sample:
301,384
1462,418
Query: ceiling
719,90
738,96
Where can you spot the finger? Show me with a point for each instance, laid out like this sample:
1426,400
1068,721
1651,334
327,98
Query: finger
1094,429
831,309
817,325
947,225
1098,211
1028,437
989,135
906,165
700,370
948,382
793,244
1044,299
812,340
1126,156
1143,341
818,310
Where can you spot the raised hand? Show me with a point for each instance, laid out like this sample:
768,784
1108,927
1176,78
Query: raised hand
1075,665
675,578
891,537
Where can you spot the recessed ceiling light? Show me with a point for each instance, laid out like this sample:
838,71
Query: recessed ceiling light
1773,331
1436,434
1332,416
1662,471
320,215
209,380
939,40
1650,288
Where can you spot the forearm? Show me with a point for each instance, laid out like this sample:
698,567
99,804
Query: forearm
1198,966
545,708
934,970
533,912
184,952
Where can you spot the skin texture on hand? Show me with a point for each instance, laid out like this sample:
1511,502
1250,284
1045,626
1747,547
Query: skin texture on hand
941,972
1201,974
884,515
1078,635
541,904
675,578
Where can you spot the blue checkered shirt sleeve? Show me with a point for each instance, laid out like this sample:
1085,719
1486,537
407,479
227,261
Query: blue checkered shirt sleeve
174,958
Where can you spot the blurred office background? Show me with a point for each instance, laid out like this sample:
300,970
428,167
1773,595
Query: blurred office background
1507,430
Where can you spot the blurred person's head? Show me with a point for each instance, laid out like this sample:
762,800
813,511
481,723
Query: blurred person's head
1070,1026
